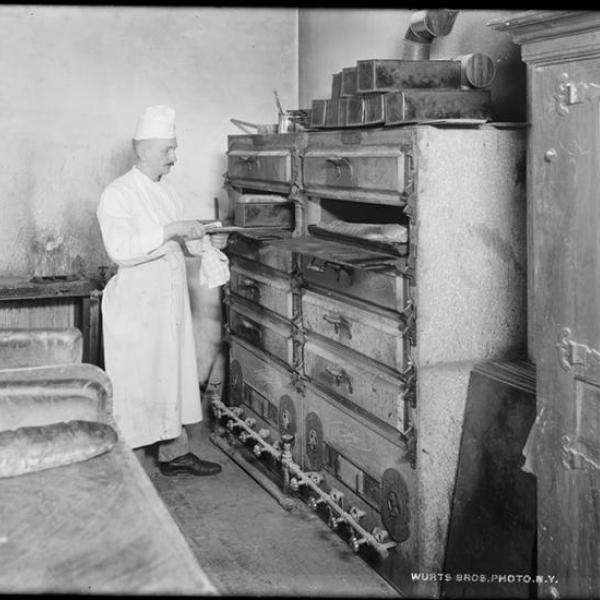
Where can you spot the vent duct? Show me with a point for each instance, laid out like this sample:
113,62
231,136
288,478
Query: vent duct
424,27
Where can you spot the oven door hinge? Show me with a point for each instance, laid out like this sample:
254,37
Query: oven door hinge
410,439
408,194
569,93
576,455
571,353
408,325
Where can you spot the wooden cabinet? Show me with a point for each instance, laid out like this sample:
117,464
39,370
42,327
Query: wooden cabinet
562,53
366,346
57,303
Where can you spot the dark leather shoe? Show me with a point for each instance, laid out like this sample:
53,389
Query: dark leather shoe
191,464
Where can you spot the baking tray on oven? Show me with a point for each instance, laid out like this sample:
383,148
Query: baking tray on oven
259,233
336,251
396,248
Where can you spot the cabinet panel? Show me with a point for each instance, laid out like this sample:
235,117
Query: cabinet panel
355,173
266,391
266,254
384,289
375,391
260,166
373,473
272,292
374,334
339,441
262,330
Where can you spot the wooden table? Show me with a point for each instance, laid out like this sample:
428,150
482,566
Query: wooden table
98,526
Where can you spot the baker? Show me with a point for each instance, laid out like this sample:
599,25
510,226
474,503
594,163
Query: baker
149,347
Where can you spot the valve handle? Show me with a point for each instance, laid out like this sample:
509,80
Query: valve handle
334,521
314,502
356,513
356,543
314,476
265,434
258,450
337,496
380,535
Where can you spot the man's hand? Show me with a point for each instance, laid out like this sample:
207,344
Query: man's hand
218,240
184,230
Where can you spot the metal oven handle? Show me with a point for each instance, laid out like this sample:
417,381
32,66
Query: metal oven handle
338,162
340,324
320,268
340,377
251,327
315,267
249,161
250,285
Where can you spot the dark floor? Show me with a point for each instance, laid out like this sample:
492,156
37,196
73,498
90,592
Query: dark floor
249,545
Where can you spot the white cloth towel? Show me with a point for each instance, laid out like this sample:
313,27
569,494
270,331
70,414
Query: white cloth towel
214,269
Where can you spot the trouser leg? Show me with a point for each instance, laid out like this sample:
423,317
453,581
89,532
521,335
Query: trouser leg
171,449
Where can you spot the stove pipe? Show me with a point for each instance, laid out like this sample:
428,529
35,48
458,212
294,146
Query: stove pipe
423,28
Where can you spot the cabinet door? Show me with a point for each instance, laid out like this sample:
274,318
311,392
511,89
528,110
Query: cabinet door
368,174
269,291
565,185
260,169
372,333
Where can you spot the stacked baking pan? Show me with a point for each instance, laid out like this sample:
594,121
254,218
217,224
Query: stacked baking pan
391,92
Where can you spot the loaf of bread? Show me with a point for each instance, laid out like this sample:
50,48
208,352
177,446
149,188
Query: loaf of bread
30,449
25,405
381,232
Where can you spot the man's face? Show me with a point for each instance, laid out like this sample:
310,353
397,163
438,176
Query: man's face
159,155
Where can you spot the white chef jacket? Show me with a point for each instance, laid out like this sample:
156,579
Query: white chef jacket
150,355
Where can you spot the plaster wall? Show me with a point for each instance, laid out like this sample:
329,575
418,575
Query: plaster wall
75,83
75,79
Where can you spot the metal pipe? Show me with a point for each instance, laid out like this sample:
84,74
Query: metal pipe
291,469
285,501
381,548
424,26
253,434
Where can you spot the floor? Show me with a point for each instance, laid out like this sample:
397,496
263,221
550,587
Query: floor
249,545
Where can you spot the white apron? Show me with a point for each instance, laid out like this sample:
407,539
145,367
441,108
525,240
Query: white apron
150,354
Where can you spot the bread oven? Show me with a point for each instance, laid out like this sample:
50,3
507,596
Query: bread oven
356,329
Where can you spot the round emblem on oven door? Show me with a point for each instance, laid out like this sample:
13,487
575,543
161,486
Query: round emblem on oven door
314,441
237,383
395,512
287,416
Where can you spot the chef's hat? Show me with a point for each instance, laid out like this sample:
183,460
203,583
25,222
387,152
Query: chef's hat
156,122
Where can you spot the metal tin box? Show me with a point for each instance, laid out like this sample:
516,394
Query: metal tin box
318,113
355,112
336,113
336,85
264,210
419,105
374,109
384,75
348,82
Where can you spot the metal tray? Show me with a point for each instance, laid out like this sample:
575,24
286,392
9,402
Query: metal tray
35,396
